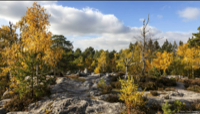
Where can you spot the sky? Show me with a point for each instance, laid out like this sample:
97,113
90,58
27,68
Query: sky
112,25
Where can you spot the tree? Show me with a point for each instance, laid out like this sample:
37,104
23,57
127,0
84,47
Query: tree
180,43
163,60
174,48
195,41
143,40
165,45
36,40
61,42
103,61
156,45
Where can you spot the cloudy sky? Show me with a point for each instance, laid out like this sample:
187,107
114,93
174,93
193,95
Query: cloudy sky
112,24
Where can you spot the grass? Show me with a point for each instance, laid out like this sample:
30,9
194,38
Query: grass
77,78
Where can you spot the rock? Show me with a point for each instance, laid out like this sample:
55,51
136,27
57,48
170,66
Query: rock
83,74
2,102
165,96
68,73
76,105
2,111
107,74
177,94
87,84
61,80
95,93
6,95
139,89
86,71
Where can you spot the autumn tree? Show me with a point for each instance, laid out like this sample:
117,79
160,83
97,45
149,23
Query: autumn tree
36,42
103,61
163,60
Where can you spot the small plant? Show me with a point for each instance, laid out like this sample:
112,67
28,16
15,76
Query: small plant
154,93
166,108
130,95
178,105
101,83
160,89
47,111
103,87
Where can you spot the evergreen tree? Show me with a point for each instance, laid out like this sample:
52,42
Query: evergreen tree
156,45
180,43
174,48
165,45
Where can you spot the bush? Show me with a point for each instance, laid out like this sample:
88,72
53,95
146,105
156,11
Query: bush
160,89
194,88
167,108
156,106
195,105
154,93
106,89
130,95
17,104
116,85
113,98
169,89
103,87
178,106
148,85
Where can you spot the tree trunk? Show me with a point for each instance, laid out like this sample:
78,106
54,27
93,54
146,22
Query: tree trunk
37,72
126,71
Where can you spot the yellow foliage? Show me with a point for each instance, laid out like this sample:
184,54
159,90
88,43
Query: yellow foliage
129,93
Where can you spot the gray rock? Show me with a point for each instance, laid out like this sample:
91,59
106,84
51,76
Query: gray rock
2,111
176,94
86,71
139,89
165,96
2,102
68,73
95,93
87,84
107,74
6,94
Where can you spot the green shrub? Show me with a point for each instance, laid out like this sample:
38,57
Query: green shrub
178,105
154,93
167,108
154,72
103,87
116,85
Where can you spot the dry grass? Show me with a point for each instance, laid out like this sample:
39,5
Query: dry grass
77,78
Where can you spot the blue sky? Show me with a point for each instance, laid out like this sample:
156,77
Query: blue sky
112,24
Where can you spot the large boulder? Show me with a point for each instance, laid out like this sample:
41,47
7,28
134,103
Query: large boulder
76,105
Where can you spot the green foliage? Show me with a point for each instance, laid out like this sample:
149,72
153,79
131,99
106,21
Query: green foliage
166,108
154,72
103,87
178,105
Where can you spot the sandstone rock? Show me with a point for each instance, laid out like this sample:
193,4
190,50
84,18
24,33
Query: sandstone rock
86,71
95,93
6,95
2,102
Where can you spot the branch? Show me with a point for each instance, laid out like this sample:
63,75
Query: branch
135,63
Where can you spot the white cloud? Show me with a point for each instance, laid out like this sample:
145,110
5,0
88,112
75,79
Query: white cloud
141,19
189,13
108,31
159,16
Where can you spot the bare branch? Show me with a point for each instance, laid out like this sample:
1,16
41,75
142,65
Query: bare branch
135,63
